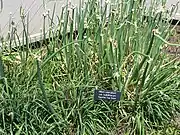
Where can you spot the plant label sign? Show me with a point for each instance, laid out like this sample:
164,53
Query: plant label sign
106,95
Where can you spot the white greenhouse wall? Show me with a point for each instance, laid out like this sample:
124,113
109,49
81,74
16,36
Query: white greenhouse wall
35,8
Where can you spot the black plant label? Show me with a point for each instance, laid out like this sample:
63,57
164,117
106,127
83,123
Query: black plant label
106,95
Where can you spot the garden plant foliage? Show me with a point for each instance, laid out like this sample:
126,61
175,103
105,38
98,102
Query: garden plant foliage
117,46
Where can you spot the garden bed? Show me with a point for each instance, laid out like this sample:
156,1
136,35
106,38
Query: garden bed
50,90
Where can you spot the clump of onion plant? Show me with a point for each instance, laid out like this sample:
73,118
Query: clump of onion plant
116,46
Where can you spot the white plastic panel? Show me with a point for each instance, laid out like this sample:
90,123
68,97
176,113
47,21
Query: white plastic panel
169,5
33,8
36,8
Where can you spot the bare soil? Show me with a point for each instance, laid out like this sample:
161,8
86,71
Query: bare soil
175,38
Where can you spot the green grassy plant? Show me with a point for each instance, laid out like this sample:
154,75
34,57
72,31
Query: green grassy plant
49,90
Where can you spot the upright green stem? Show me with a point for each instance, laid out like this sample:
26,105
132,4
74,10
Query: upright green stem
43,89
1,69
